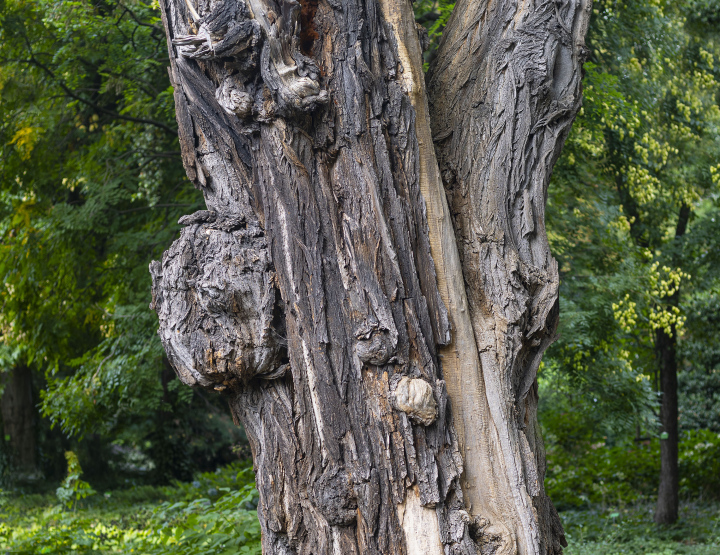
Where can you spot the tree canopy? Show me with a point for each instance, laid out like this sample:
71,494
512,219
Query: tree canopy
641,161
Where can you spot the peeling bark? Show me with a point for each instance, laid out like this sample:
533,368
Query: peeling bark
308,294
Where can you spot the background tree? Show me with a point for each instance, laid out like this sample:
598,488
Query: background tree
630,211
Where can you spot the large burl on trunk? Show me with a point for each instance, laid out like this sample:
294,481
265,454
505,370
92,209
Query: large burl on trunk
386,378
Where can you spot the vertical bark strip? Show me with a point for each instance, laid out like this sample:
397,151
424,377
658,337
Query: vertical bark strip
504,90
307,291
460,361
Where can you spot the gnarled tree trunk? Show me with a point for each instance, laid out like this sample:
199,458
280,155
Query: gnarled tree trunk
322,291
19,419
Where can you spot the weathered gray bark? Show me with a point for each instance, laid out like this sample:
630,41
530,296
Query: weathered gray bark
308,292
19,418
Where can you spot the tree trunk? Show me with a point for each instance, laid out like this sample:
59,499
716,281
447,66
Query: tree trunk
666,511
504,90
668,501
322,290
18,415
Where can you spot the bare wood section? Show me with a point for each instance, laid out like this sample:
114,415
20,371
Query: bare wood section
504,90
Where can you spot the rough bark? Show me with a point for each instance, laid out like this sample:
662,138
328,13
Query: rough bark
308,293
18,415
504,90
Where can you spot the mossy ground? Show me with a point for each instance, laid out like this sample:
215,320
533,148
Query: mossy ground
213,514
216,514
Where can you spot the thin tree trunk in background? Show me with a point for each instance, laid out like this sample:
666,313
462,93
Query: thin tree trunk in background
666,511
668,501
322,289
18,414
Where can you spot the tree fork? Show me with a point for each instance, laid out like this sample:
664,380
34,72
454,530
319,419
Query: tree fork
308,291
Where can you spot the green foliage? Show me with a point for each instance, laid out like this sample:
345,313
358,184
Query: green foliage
641,157
91,185
631,531
586,469
433,15
73,488
699,379
213,514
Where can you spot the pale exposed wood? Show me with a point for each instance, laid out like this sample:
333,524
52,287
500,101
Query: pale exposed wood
485,488
420,524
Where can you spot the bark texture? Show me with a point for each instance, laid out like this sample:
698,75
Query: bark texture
307,292
504,90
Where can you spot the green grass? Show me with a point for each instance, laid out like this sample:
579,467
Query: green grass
631,531
213,514
216,514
